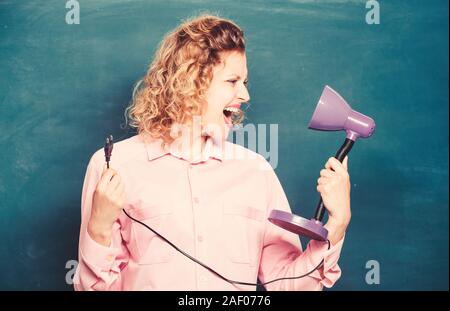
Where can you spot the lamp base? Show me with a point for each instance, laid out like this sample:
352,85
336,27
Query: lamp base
310,228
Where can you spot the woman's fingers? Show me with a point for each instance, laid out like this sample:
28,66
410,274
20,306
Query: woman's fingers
323,180
114,183
120,187
345,162
336,166
106,179
323,189
110,182
326,173
118,196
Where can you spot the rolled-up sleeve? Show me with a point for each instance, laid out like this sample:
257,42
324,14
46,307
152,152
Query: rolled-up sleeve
99,267
283,256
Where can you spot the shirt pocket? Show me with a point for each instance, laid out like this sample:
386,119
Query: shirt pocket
243,225
151,249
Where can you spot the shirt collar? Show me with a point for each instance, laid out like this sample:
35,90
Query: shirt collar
212,149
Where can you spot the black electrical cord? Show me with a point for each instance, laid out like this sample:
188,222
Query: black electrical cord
218,274
108,151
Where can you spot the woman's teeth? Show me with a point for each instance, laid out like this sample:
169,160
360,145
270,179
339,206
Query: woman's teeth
233,115
228,111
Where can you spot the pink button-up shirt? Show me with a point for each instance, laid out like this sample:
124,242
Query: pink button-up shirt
214,208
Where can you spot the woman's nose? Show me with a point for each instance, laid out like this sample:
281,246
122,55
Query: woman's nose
243,94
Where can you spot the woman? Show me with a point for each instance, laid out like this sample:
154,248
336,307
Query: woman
209,197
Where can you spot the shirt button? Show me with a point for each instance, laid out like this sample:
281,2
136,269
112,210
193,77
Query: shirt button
200,238
196,200
109,258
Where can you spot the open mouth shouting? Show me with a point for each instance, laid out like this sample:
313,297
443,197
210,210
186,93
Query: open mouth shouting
232,114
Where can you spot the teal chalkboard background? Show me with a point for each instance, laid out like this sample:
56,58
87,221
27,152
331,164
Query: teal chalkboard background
63,88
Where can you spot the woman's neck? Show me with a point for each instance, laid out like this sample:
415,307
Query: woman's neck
189,146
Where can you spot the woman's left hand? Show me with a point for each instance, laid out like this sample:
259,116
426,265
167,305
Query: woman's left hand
334,187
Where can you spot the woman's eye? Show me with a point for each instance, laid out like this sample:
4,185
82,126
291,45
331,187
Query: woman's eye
234,82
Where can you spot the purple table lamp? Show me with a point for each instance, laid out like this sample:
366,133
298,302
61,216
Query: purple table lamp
332,114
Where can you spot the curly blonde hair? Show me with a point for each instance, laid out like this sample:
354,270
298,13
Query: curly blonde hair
173,89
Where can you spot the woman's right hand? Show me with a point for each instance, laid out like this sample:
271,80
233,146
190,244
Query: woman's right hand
107,203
